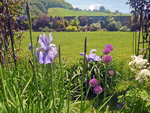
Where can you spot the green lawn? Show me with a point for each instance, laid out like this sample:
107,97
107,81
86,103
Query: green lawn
73,42
66,12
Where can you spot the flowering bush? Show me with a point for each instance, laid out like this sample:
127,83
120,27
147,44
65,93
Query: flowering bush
96,26
138,66
71,28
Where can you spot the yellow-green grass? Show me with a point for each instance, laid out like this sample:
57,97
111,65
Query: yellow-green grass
73,42
66,12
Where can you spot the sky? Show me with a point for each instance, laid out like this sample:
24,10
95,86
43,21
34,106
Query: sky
112,5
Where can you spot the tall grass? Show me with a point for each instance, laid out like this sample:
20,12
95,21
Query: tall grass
44,88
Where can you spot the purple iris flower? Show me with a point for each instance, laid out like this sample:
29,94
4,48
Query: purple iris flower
30,46
47,52
91,56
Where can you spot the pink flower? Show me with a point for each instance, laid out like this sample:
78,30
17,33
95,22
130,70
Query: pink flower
111,72
106,51
107,59
109,46
93,82
98,89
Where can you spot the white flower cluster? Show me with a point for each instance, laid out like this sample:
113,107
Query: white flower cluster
138,62
139,66
142,75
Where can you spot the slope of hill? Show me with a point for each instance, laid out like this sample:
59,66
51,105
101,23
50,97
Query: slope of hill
66,12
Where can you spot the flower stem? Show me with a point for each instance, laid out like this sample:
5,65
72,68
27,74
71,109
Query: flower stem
50,65
84,69
105,86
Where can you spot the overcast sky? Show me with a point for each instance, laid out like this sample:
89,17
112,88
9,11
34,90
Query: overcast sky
95,4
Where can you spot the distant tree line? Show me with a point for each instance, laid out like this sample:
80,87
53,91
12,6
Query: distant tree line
40,7
101,9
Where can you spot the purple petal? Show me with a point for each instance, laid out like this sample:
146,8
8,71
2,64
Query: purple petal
47,58
93,50
40,57
29,44
53,52
44,39
97,58
40,41
50,38
82,54
91,56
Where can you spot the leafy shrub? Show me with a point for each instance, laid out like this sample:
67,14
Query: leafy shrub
80,28
71,28
45,29
123,28
85,28
103,30
50,24
40,29
74,22
66,23
91,28
41,21
128,30
112,26
136,98
58,24
62,25
51,30
96,26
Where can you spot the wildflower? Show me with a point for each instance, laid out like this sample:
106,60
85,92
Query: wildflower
106,51
47,52
119,106
111,72
109,46
93,82
107,59
123,103
91,56
98,89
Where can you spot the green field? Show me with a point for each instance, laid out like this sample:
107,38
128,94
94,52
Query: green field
73,42
65,12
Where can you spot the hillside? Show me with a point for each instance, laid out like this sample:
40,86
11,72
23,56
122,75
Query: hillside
40,7
66,12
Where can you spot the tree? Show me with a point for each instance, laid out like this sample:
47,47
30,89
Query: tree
102,9
76,9
95,10
107,11
117,11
